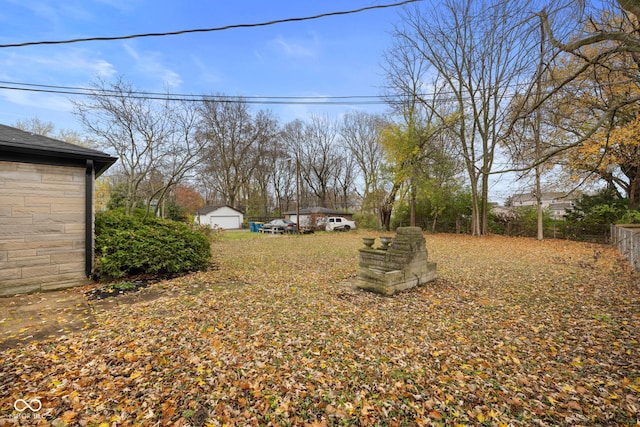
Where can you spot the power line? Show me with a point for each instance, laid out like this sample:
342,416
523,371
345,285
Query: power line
89,91
266,100
206,30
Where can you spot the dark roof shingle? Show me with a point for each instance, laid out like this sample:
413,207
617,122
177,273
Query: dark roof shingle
18,145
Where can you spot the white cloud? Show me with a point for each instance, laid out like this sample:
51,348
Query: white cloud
206,72
41,9
37,100
75,63
76,12
121,5
149,64
58,14
295,48
81,63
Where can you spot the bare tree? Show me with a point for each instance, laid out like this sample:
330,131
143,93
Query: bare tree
236,142
597,25
156,141
288,170
259,187
184,150
361,132
319,158
344,176
38,127
528,139
283,182
480,52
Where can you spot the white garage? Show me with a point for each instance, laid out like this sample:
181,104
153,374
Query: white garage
224,217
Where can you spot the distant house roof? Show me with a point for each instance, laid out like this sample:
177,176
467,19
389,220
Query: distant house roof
318,210
208,209
546,196
20,146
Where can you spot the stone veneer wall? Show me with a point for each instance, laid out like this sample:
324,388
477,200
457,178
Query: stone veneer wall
42,227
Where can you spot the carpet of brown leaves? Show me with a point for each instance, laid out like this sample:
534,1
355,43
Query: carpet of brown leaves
514,332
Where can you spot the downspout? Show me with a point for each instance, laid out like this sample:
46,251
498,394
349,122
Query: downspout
88,218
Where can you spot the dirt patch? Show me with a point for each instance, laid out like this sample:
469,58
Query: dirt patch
118,289
103,300
42,316
49,315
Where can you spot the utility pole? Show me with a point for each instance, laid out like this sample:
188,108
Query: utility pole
536,133
297,193
297,159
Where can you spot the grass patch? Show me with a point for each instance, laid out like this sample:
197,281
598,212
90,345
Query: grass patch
239,235
122,286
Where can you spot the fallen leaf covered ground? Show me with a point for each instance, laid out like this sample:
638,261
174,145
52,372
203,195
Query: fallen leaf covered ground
514,332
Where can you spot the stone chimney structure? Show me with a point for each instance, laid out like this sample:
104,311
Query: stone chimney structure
388,270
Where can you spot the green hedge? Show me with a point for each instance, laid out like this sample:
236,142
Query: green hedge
126,246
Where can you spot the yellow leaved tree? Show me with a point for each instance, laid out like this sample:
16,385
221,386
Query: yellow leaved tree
608,150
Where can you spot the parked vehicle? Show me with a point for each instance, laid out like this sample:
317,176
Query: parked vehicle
279,226
338,223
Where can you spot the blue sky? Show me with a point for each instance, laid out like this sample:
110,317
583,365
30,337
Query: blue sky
333,56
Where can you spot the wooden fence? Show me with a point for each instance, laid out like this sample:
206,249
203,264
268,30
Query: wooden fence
626,237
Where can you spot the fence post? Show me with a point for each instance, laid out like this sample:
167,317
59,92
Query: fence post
626,238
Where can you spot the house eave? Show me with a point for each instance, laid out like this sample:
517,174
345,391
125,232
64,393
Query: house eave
25,154
27,147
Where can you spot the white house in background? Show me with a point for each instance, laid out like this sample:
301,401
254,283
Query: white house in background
220,217
556,202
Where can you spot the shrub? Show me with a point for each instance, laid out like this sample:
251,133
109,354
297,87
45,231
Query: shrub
214,235
366,221
125,246
604,207
520,221
630,217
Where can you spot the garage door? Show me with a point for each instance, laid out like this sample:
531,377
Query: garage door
232,221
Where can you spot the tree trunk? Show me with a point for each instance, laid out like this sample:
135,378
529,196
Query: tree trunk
385,217
475,209
386,207
484,206
536,133
539,205
634,189
412,215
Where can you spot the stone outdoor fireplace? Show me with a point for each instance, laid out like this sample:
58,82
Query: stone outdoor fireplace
396,265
